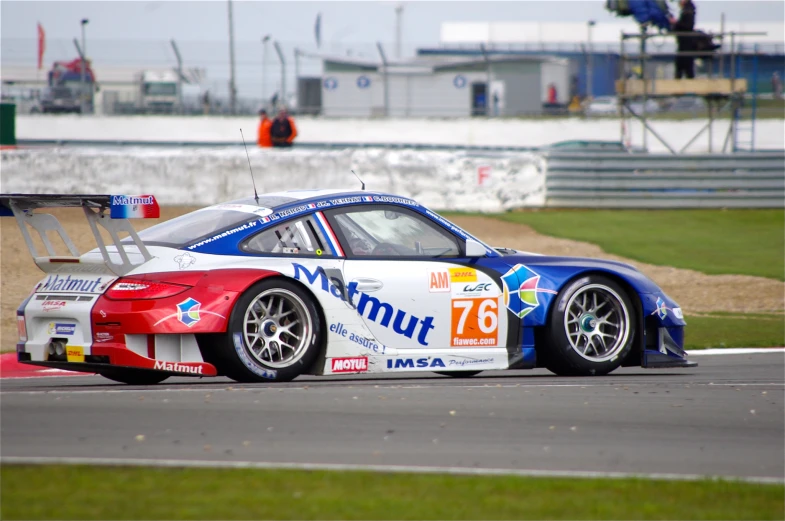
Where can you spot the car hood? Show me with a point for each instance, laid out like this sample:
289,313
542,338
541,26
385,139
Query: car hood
556,268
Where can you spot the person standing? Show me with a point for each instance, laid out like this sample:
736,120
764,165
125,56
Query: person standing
552,94
685,65
263,138
283,131
776,85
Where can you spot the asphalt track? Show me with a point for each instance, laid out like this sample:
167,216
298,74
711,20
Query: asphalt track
723,418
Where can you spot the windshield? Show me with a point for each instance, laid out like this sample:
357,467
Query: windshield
393,231
187,228
160,89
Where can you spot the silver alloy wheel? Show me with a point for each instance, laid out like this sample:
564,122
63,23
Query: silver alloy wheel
597,322
277,328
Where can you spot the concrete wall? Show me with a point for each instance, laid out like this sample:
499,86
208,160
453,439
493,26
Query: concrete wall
769,133
440,180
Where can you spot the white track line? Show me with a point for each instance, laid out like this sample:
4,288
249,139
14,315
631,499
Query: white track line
736,351
378,468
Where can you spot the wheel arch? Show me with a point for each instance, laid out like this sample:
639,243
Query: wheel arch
206,340
319,360
633,358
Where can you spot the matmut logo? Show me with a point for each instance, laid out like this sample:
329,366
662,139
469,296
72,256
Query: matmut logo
177,368
131,199
350,365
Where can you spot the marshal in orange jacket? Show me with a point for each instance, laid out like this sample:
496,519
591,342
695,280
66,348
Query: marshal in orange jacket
263,139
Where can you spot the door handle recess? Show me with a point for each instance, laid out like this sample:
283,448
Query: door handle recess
366,284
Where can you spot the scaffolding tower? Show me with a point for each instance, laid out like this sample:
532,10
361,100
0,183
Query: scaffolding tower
720,91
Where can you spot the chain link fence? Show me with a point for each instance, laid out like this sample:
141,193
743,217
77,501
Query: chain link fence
265,78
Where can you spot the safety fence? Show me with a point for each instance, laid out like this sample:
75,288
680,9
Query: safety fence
609,180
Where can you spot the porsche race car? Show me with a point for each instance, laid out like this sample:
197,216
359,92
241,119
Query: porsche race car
322,282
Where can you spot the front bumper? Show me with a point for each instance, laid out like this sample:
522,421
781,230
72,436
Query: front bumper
668,352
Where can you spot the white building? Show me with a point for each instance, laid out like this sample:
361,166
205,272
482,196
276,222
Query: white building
441,87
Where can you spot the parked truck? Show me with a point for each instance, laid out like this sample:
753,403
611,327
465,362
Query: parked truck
158,92
64,85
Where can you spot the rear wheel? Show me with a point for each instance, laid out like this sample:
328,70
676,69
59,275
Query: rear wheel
591,328
134,377
274,333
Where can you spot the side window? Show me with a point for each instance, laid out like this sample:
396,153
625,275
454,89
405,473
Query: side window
294,237
392,232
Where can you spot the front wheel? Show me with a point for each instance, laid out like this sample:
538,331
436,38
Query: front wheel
591,328
274,333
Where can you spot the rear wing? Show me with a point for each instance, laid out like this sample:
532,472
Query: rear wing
111,212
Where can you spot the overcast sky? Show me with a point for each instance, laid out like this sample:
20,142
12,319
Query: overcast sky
346,22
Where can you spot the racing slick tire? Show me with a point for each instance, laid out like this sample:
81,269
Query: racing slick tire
134,377
274,333
591,328
458,374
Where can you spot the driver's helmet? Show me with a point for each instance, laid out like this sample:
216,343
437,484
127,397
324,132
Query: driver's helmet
360,247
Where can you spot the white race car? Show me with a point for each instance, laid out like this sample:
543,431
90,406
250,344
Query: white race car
323,282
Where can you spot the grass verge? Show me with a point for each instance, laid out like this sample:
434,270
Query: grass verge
734,330
83,492
742,242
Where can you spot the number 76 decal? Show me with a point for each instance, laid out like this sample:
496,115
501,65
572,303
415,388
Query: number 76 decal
475,322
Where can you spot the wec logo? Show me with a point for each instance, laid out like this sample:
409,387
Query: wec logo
479,288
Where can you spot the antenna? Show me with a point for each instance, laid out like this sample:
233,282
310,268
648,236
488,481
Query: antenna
358,178
255,195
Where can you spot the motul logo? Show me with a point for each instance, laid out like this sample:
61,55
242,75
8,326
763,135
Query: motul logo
350,365
177,368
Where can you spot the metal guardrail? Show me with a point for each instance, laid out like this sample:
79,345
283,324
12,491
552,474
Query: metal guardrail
742,180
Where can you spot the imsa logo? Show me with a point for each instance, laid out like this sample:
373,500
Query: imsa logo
411,363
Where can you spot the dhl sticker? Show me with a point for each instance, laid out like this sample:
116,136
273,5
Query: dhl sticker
74,353
463,275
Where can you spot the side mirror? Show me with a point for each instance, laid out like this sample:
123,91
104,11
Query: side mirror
474,248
